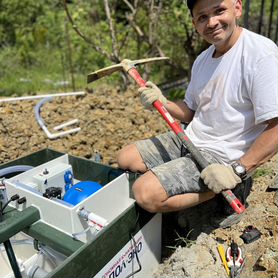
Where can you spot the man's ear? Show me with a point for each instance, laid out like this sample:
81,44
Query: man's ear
193,21
238,8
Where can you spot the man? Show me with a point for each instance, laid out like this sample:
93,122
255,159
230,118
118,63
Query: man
231,105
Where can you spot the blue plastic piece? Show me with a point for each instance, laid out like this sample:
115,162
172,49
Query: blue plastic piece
80,191
68,177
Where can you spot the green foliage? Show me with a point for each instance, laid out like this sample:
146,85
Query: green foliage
176,94
38,43
262,172
44,76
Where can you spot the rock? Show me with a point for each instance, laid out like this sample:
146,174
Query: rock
275,198
269,260
199,260
274,184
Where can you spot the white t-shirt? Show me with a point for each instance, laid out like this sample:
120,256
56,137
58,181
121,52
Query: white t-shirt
233,95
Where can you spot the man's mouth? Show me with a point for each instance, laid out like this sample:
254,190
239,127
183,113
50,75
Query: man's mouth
212,32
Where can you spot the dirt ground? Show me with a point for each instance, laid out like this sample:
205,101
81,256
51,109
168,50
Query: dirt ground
110,119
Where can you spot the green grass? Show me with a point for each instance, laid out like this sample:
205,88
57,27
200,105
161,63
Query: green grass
262,172
182,241
45,74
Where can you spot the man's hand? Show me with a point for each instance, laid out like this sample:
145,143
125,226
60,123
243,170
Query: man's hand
150,94
219,177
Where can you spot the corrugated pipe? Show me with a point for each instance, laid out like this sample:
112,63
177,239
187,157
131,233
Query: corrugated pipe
14,169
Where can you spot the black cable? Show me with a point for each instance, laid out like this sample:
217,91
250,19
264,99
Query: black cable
1,212
135,250
13,198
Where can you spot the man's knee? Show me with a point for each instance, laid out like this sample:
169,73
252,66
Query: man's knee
149,197
129,158
145,201
122,158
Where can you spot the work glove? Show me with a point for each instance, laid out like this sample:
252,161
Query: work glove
149,94
219,177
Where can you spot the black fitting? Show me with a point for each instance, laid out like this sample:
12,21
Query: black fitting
21,200
234,249
53,192
250,234
15,197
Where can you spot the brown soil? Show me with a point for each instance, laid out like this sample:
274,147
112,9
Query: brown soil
110,119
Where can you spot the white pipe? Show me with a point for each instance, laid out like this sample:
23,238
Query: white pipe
43,126
71,122
36,272
41,96
59,134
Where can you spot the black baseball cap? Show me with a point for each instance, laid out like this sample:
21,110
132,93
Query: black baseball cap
190,4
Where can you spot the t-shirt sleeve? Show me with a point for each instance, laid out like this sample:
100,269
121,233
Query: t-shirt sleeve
189,99
189,94
264,93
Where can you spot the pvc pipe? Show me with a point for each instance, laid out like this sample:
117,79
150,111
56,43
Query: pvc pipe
36,272
93,219
43,126
41,96
71,122
14,169
59,134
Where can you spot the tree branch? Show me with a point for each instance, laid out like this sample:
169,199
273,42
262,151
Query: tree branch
112,31
86,39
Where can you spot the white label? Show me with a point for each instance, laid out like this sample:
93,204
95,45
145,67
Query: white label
168,116
148,248
125,261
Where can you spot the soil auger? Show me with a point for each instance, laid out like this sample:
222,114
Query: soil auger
129,67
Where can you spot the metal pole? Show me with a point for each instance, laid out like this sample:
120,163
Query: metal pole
261,17
276,31
246,14
270,19
10,251
12,259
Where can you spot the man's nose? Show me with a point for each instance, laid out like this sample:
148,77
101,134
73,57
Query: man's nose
212,21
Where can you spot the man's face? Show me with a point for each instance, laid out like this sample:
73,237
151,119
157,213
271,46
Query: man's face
215,20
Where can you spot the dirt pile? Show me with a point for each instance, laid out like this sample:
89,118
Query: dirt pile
110,119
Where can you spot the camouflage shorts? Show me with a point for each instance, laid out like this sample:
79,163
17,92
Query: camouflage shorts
173,165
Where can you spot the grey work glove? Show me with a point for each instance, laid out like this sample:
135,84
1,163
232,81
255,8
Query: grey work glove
219,177
150,94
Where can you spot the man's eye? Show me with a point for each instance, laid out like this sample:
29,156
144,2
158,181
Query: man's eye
220,11
202,18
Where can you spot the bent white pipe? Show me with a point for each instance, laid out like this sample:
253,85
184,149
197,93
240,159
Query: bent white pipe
71,122
59,134
43,126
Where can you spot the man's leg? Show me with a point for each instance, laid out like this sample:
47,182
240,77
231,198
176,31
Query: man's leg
146,154
150,194
173,178
129,158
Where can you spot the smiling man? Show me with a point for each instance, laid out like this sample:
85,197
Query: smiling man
216,22
231,105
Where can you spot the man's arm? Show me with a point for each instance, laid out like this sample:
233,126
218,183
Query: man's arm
180,111
264,147
219,177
